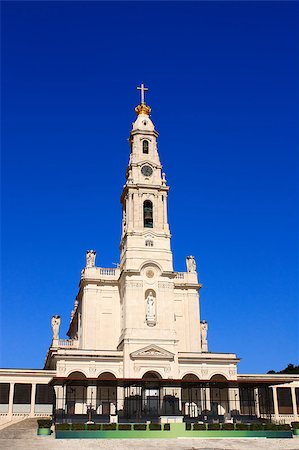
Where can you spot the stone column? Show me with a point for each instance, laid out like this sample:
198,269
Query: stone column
130,212
257,402
91,396
207,400
32,403
233,399
60,398
10,402
294,402
140,207
275,402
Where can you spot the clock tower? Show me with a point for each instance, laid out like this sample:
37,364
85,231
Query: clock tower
145,229
151,306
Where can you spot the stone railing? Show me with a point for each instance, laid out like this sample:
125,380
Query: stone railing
186,277
284,418
180,275
67,343
109,273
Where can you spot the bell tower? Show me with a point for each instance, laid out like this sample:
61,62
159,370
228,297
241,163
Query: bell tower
145,230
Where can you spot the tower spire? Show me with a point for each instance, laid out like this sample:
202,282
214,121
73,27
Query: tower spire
142,108
142,90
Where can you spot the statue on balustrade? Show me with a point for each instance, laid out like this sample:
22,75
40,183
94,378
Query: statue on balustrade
55,323
204,333
191,264
90,258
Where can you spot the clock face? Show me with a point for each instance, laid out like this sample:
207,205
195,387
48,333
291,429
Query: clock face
147,171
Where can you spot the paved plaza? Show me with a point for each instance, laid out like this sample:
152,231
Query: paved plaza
49,443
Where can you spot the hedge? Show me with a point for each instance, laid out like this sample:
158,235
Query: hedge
228,426
78,426
257,426
125,426
139,426
62,426
108,426
44,423
199,427
242,426
154,426
93,426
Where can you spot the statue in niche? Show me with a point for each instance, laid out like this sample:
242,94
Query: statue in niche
204,332
90,258
191,264
55,323
150,309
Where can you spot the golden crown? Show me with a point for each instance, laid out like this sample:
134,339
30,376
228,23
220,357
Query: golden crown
142,108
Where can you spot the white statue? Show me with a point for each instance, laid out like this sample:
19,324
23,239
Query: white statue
90,258
55,323
204,333
191,264
163,178
124,219
150,308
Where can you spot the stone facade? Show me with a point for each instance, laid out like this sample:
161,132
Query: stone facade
142,315
141,322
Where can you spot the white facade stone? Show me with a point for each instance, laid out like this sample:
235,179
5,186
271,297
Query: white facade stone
142,315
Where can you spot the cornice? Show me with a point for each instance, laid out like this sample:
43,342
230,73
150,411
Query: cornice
144,132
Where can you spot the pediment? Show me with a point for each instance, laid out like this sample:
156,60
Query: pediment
152,352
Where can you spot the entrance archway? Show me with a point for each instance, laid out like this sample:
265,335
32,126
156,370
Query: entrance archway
106,403
151,394
192,405
219,395
76,393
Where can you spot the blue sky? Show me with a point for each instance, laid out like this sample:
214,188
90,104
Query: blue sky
223,79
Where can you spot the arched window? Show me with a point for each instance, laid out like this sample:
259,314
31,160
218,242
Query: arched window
145,146
148,214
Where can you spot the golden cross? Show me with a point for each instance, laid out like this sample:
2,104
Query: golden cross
142,88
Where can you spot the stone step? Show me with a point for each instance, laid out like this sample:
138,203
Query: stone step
25,429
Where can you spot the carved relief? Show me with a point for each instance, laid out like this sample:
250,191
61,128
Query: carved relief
165,285
150,273
152,351
62,368
204,373
134,284
92,370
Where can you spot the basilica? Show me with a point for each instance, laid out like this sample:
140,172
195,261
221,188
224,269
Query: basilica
137,346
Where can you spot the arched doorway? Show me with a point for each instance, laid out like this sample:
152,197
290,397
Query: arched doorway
151,394
192,404
106,404
76,393
219,395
